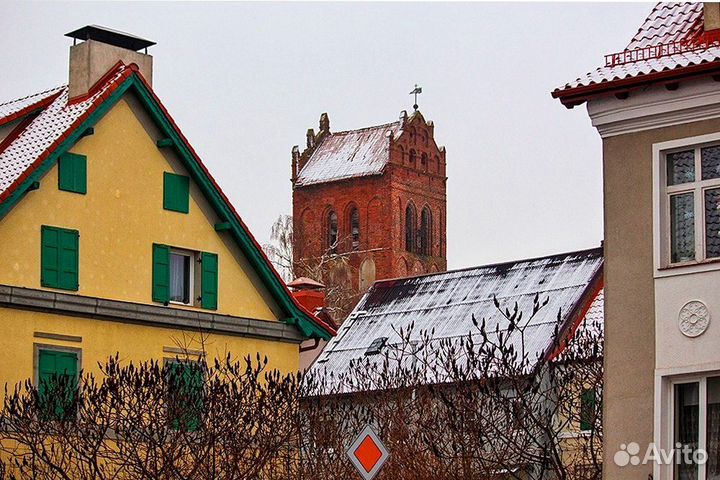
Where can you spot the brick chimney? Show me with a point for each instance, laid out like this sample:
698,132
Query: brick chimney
711,14
309,293
99,50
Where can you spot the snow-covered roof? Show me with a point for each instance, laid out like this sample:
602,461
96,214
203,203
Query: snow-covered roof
353,153
445,303
30,143
670,39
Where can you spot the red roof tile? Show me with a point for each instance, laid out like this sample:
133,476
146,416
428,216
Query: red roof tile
670,27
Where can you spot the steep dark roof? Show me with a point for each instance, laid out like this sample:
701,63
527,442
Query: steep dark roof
446,302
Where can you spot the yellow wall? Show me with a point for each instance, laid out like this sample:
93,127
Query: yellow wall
119,219
136,343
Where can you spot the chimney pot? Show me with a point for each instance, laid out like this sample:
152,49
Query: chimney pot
99,50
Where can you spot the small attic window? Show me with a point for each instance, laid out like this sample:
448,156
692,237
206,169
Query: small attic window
376,346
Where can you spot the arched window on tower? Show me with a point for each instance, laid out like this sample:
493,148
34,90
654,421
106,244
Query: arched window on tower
424,160
332,237
425,232
410,228
412,157
355,228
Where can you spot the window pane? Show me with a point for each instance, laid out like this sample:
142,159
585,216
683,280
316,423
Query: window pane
681,167
710,157
686,426
713,428
179,278
712,223
682,227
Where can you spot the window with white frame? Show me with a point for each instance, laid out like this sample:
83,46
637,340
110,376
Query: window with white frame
696,426
692,204
182,276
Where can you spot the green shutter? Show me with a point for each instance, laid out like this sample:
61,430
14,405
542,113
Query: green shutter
72,173
49,257
59,258
161,273
57,383
209,281
176,192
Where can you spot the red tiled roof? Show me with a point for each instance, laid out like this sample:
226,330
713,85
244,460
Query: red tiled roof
670,27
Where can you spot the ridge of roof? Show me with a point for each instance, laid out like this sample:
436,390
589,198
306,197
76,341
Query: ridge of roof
43,92
84,110
364,129
509,263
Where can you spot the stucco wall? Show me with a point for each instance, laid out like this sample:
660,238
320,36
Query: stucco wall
121,216
630,340
136,343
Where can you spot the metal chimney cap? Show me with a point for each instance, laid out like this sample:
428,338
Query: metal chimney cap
111,37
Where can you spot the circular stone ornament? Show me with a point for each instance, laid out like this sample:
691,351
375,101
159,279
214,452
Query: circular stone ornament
694,318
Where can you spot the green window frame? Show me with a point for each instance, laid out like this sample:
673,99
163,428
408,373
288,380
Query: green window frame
176,192
57,381
59,258
72,173
185,394
162,274
588,399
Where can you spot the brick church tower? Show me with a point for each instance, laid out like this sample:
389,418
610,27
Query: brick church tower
368,204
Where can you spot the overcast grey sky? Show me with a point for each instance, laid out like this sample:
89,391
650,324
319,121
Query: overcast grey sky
244,81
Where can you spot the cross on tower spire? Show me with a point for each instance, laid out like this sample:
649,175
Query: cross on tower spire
415,92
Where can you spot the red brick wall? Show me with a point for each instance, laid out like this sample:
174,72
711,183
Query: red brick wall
381,201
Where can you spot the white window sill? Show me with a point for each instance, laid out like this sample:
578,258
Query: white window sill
688,268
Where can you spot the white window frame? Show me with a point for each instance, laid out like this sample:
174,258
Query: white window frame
661,207
193,260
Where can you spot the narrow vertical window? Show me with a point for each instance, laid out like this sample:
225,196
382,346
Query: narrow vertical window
186,395
410,228
332,236
687,422
587,409
180,265
712,429
412,157
682,227
426,232
355,228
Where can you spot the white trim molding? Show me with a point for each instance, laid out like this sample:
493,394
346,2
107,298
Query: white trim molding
656,107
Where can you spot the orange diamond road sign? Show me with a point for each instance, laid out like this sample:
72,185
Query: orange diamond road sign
368,454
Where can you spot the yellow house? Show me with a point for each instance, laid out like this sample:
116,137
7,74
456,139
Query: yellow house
114,237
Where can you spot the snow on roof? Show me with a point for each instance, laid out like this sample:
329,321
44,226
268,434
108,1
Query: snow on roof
446,302
51,124
667,23
354,153
13,107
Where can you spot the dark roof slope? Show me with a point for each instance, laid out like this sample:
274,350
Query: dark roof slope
446,302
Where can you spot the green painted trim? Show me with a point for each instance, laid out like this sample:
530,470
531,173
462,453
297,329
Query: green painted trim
295,316
88,131
164,143
221,227
34,186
